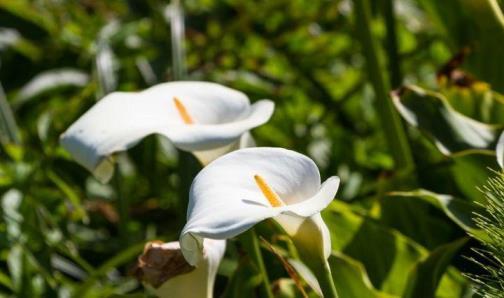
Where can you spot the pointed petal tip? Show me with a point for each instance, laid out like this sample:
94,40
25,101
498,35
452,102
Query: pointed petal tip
192,247
265,107
318,202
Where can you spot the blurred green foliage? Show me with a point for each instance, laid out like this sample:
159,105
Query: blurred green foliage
60,232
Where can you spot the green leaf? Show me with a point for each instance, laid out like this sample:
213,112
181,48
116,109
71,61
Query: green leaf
451,131
121,258
11,38
385,253
72,196
459,211
425,277
50,80
351,279
15,265
470,172
475,102
6,281
30,12
11,202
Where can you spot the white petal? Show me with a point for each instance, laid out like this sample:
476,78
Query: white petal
120,120
199,282
207,156
207,103
307,275
309,234
225,201
317,202
211,136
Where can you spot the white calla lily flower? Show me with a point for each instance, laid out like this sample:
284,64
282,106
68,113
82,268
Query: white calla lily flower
247,186
163,267
201,117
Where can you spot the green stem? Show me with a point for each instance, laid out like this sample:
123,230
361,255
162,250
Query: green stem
122,207
390,121
321,270
252,244
326,282
394,61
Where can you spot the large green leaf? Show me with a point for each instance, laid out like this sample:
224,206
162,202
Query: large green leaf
350,278
426,275
451,131
459,211
479,25
415,219
471,171
385,253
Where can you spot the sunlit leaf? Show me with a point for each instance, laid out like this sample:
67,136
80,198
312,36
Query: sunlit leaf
11,202
306,274
11,38
106,68
5,281
391,255
32,13
67,267
174,14
451,131
15,264
484,105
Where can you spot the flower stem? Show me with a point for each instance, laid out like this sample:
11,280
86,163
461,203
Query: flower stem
326,282
122,206
254,250
321,270
391,123
394,60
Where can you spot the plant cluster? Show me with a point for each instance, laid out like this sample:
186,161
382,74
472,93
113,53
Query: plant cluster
180,149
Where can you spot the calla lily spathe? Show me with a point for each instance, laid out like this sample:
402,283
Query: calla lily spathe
201,117
247,186
160,261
